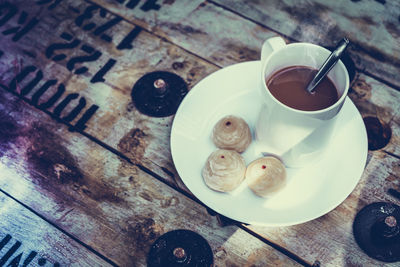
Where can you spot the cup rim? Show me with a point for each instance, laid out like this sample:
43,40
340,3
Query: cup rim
308,112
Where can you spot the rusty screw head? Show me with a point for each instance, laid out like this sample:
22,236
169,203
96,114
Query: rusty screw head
390,229
376,231
179,254
180,248
391,221
160,85
159,93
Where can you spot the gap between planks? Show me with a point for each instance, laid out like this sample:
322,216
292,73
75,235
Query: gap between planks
156,35
158,177
395,87
175,187
391,154
153,174
61,230
277,247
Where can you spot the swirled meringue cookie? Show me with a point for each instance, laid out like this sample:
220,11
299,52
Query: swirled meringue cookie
233,133
266,176
224,170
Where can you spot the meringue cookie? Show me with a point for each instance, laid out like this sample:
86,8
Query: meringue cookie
232,133
266,176
224,170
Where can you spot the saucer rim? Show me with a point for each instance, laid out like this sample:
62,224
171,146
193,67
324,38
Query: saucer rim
222,210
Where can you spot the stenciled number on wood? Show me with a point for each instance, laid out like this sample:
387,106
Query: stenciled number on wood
24,24
83,21
53,3
56,52
147,6
33,258
21,75
90,55
69,42
89,12
8,11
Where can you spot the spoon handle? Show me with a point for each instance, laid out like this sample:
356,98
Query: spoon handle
328,64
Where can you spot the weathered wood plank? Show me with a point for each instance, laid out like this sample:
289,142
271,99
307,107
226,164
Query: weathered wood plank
200,21
102,200
215,39
377,100
372,26
373,99
116,118
329,239
119,122
26,239
213,32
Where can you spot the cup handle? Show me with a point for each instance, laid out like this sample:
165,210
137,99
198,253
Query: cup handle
270,45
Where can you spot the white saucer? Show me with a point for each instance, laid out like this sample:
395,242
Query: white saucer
311,191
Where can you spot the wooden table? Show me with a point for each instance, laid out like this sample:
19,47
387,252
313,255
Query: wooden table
88,180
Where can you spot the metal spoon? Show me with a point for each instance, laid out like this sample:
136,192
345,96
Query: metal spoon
328,64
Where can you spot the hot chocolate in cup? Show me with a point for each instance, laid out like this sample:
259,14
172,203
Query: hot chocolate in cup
298,133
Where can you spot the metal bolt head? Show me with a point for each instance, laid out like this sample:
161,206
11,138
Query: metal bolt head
179,254
391,221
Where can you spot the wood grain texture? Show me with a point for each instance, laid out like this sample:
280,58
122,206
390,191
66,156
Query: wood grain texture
102,200
215,33
209,40
329,239
26,239
203,18
210,32
116,123
372,98
191,53
372,26
377,100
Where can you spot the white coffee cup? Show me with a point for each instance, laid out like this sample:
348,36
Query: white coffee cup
297,137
